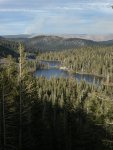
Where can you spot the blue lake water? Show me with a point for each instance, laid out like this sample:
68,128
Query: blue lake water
56,72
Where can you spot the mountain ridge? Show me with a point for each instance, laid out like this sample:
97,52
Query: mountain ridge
50,43
94,37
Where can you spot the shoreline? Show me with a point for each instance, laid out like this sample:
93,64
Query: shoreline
72,71
82,73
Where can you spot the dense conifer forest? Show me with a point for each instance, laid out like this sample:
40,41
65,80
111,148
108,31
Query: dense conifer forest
56,114
97,60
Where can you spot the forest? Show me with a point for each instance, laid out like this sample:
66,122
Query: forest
60,113
96,60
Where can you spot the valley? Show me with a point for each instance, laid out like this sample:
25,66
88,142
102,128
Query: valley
56,75
56,92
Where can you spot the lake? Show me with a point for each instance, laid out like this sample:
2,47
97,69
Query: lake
56,72
51,63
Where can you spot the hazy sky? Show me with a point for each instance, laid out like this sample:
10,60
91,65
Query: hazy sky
56,16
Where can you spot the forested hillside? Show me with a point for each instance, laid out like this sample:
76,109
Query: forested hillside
53,43
56,75
96,60
8,47
47,43
55,114
5,51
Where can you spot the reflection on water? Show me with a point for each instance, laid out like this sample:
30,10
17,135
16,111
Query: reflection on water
51,63
55,72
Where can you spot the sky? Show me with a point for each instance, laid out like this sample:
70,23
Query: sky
56,17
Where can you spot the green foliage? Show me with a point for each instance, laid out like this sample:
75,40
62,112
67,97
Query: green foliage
36,113
90,60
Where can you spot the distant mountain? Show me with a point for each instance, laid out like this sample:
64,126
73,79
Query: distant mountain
44,43
8,47
1,37
93,37
5,51
106,37
12,44
16,36
109,42
50,43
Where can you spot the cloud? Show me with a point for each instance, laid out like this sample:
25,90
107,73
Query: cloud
74,24
54,24
11,28
56,16
56,4
36,26
23,10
